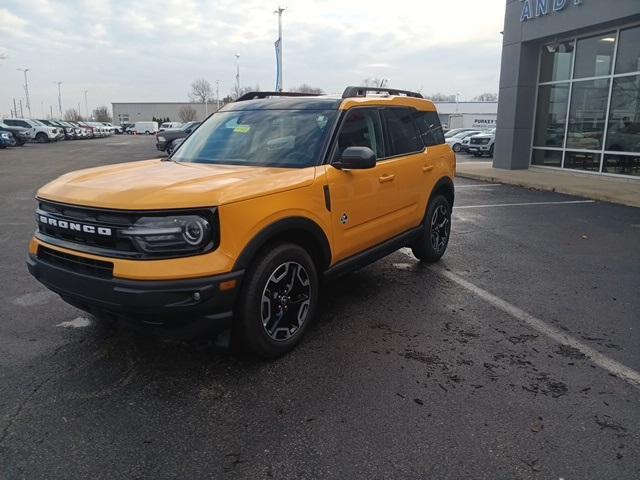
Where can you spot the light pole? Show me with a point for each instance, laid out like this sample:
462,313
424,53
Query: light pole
237,55
86,105
279,50
217,94
26,89
59,98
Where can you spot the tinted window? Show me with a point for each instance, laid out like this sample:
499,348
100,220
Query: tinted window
269,138
401,131
361,128
430,129
594,56
628,59
555,61
551,115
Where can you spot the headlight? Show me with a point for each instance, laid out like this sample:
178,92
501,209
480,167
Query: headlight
173,234
4,135
161,138
485,141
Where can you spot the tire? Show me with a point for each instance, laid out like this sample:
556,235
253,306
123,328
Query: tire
457,147
169,147
432,244
41,137
147,132
491,151
267,289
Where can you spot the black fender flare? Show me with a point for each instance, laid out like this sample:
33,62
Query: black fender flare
296,226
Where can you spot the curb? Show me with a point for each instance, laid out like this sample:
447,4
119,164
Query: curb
547,188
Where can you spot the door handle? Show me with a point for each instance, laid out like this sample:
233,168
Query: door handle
387,177
427,168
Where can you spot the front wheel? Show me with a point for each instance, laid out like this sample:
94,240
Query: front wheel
437,228
278,300
457,147
170,148
42,137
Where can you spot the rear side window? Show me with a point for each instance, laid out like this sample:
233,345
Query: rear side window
401,131
428,124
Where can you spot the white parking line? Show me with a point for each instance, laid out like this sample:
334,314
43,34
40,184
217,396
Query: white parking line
79,322
527,204
479,185
627,374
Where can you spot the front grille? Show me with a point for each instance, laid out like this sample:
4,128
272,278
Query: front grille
85,266
113,221
479,141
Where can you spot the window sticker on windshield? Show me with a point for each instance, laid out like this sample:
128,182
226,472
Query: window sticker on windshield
242,129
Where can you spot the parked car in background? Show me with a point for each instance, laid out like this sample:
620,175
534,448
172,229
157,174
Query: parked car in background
169,125
91,130
62,134
167,141
456,131
455,142
117,129
20,134
146,128
482,144
5,139
81,132
39,132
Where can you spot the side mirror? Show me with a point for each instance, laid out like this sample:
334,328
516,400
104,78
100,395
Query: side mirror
356,158
188,130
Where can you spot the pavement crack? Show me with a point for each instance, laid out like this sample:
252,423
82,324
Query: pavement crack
18,411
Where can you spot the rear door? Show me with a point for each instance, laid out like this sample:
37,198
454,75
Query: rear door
407,156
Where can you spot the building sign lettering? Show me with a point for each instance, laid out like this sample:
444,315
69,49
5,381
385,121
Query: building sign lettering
532,9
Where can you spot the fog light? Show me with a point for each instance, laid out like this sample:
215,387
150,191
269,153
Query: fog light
196,296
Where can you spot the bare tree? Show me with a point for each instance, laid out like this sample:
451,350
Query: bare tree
235,93
441,97
187,114
201,91
306,88
72,115
101,114
487,97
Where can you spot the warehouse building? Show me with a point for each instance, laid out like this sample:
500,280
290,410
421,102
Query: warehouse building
570,87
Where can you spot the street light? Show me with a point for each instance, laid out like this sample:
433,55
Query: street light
279,50
237,55
86,106
59,98
26,88
217,94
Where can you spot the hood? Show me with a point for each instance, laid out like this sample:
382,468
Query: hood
484,135
157,184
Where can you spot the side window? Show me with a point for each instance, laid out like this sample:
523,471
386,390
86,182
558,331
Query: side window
11,123
430,128
23,124
361,128
401,131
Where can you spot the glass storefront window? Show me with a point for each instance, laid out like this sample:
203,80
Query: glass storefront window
555,62
587,114
628,57
623,132
622,164
594,56
547,158
551,115
582,161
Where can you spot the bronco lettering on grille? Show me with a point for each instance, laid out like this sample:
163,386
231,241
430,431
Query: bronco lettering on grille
74,226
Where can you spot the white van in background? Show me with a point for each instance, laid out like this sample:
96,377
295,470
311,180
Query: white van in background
145,127
168,125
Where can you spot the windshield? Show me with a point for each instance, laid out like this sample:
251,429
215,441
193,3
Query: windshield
187,125
38,123
269,138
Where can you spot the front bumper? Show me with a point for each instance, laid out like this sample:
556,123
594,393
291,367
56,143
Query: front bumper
479,148
179,309
161,145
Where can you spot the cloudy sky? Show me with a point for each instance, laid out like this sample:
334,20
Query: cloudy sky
140,50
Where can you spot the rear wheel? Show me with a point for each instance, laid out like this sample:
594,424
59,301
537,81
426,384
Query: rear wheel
437,228
278,300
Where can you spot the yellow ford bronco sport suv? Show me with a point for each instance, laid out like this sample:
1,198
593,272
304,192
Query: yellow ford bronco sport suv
236,230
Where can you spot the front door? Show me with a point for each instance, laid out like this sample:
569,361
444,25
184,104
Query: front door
361,200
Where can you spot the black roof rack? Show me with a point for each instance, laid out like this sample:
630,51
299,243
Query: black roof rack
362,92
258,95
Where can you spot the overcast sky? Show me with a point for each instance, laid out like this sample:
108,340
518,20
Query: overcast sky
139,50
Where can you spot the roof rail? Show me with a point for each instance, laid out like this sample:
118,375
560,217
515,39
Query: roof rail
259,95
362,92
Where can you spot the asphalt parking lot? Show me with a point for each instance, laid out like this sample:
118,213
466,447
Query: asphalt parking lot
513,358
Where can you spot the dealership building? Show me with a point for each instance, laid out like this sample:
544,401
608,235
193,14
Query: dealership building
131,112
570,87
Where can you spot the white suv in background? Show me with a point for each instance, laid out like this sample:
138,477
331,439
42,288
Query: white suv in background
482,144
39,132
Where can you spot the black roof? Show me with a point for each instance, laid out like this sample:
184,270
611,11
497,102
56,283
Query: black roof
286,103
